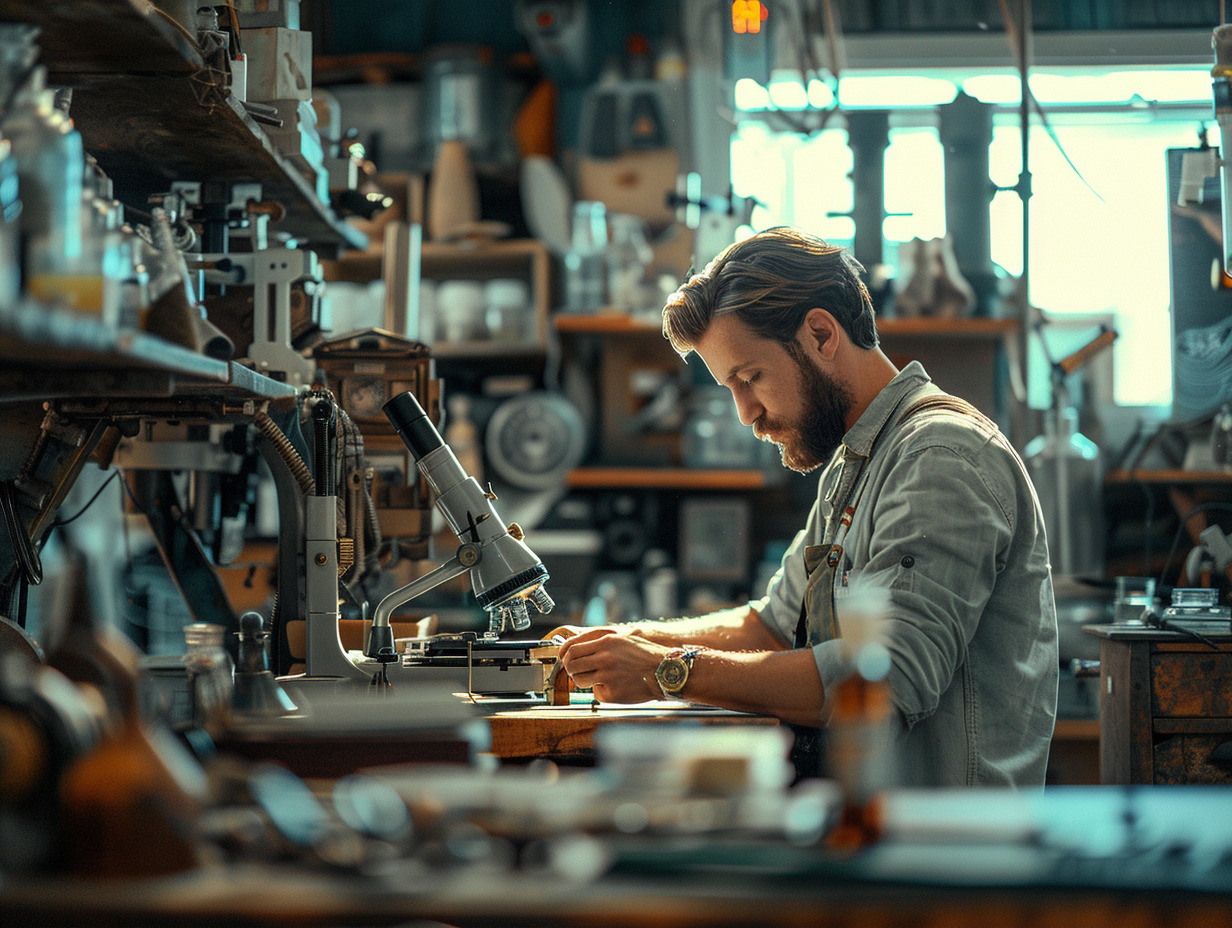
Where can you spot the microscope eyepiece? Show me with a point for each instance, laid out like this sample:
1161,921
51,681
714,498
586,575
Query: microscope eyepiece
412,424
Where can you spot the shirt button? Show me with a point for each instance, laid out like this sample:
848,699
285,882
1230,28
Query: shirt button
907,561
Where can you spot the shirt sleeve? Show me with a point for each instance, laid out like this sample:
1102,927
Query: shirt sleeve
941,525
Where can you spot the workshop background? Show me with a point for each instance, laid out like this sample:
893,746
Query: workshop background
892,128
488,202
332,356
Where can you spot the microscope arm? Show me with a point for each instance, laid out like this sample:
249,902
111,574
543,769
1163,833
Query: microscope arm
381,635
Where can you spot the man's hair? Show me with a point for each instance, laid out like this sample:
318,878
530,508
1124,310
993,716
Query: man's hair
769,282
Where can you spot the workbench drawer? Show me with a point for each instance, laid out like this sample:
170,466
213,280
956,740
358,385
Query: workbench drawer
1194,758
1191,684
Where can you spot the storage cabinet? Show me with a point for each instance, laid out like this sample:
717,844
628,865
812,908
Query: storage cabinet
1165,707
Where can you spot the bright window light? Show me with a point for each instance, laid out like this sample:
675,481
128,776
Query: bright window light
823,190
1167,86
895,90
750,96
1097,256
1089,255
1004,89
1076,88
1178,85
788,95
820,95
913,155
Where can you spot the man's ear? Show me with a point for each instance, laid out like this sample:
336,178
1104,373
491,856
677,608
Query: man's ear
821,333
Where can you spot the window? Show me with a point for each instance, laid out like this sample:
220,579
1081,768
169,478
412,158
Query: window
1094,249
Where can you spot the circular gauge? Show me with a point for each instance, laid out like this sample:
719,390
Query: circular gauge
363,397
533,440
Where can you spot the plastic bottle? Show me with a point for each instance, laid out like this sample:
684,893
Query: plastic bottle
1067,470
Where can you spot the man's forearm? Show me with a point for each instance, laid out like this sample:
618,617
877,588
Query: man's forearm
779,683
737,629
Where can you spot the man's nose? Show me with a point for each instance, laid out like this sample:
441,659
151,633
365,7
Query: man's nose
748,409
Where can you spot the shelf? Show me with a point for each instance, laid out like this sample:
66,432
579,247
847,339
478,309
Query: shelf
606,324
1076,730
1174,476
607,478
104,37
50,353
150,113
527,260
612,323
498,256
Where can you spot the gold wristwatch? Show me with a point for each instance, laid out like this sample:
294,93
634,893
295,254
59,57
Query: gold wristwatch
673,671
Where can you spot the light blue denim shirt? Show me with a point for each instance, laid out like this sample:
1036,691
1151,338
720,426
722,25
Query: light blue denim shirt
949,524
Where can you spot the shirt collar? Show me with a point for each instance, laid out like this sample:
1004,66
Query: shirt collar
860,437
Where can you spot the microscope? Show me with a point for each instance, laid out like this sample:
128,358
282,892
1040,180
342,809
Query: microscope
506,576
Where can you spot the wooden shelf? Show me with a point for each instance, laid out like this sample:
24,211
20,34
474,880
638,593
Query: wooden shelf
150,113
523,259
662,478
82,40
48,353
1076,730
1192,477
606,323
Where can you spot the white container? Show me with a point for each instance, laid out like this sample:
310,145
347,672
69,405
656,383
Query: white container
460,311
507,309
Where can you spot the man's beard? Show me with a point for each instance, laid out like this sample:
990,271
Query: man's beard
812,441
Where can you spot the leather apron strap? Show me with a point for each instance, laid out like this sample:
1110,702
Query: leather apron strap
818,620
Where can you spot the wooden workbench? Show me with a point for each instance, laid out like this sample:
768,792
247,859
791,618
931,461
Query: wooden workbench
566,734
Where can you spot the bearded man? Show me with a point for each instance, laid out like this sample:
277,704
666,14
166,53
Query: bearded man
920,497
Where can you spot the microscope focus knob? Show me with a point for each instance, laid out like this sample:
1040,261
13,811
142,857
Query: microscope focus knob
468,555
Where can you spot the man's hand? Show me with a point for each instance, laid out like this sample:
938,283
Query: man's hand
565,632
615,665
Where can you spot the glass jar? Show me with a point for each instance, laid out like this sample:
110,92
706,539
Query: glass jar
211,675
585,262
628,256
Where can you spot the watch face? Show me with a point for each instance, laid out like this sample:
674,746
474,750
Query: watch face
363,397
672,674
